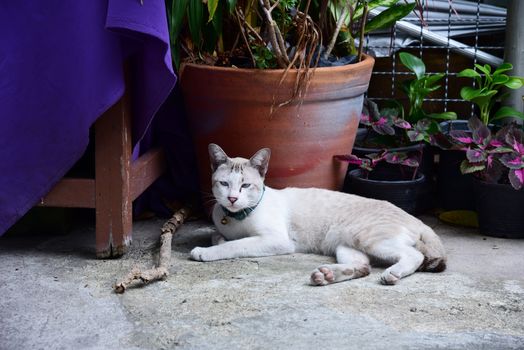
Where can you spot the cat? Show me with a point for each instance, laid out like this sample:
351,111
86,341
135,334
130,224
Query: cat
254,220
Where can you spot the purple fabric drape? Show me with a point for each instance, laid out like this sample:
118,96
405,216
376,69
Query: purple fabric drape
61,67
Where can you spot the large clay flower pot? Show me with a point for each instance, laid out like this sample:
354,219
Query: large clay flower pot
232,108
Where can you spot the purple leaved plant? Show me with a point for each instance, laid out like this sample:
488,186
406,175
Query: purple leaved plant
492,158
369,162
382,121
514,160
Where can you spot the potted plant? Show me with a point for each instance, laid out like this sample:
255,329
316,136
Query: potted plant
400,183
251,78
393,126
454,189
396,129
497,163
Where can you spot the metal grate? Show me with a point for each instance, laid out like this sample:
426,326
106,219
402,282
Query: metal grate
466,37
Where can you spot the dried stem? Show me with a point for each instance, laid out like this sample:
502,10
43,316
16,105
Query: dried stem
340,22
161,271
275,37
241,20
362,28
308,39
251,30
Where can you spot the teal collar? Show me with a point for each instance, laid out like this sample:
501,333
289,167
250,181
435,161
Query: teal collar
242,214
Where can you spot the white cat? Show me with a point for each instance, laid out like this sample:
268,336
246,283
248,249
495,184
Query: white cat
255,220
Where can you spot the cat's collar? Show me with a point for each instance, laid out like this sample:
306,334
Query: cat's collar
242,214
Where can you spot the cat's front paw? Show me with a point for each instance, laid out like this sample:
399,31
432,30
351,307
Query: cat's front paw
201,254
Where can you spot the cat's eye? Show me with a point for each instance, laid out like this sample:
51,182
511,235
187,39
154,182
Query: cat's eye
245,185
224,183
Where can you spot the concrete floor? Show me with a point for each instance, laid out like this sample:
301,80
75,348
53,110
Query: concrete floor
55,295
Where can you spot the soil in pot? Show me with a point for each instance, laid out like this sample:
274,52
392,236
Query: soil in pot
500,209
389,185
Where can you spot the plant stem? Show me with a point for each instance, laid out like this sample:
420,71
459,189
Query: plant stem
362,28
275,37
242,31
340,22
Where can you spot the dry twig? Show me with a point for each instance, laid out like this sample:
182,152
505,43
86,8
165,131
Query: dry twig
161,271
275,37
362,28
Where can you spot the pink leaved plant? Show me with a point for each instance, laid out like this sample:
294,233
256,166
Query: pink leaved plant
492,158
382,121
369,162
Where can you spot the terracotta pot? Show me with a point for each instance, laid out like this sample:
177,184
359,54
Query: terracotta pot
232,108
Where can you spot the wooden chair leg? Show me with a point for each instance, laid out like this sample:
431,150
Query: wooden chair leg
112,181
118,181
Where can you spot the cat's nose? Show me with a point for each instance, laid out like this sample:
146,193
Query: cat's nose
232,199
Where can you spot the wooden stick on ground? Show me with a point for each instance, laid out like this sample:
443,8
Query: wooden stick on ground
162,270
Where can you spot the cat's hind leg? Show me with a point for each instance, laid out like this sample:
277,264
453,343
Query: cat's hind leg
351,264
398,250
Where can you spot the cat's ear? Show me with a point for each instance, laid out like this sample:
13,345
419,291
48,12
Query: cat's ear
217,156
260,161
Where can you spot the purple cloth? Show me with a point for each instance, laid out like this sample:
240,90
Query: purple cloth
61,67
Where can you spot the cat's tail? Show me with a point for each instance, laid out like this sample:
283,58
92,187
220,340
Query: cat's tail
434,253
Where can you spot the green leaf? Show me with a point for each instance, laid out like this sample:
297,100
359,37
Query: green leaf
388,17
486,69
501,150
484,99
231,5
195,19
175,52
481,97
413,63
468,93
432,79
500,79
210,37
467,168
443,116
359,11
504,67
178,11
468,73
426,90
514,83
505,112
211,8
218,20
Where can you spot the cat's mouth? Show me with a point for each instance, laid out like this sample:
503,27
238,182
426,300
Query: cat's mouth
233,208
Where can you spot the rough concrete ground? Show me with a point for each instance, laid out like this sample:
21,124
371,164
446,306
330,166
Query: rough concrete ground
55,295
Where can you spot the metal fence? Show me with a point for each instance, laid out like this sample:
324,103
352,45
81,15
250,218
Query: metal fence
450,36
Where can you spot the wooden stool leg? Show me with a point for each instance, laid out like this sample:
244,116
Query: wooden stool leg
112,181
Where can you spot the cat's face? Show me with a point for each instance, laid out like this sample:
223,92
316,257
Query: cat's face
238,183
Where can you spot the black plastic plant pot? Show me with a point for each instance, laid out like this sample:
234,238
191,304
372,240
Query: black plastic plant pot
426,165
410,195
500,209
454,190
